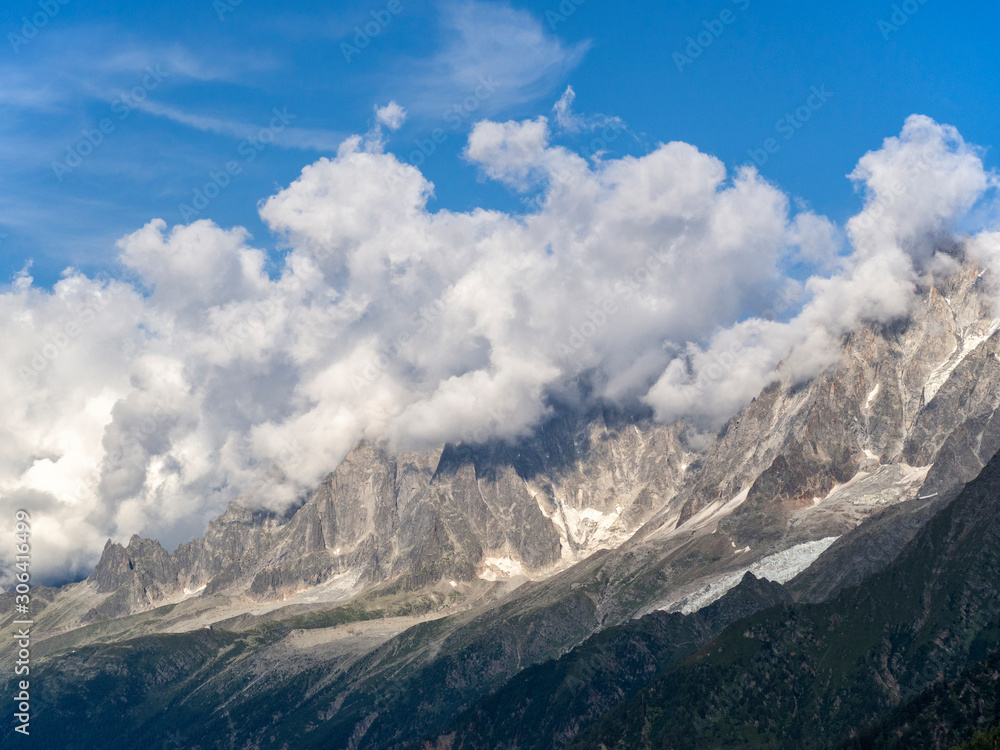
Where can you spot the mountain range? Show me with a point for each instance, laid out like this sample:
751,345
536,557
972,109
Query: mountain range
819,573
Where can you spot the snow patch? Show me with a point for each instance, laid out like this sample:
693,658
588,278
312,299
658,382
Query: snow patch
872,395
779,567
333,589
943,371
582,532
715,511
186,594
498,568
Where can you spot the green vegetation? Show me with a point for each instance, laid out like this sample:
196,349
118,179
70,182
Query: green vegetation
548,704
988,740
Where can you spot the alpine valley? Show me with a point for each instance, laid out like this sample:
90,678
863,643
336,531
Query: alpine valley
822,573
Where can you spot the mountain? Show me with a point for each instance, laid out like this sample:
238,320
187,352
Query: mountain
911,404
808,675
942,715
583,482
411,595
546,705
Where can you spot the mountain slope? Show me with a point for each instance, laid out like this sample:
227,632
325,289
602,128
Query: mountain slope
444,574
584,482
943,715
545,706
809,675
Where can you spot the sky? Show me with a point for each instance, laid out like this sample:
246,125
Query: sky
226,66
239,238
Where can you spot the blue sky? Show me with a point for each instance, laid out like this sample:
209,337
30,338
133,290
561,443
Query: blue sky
180,87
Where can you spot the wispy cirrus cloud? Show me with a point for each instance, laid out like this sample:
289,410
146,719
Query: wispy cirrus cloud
231,67
488,41
290,137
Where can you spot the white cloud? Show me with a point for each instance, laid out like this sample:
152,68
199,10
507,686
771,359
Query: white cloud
816,240
273,125
916,187
515,153
220,65
919,188
507,48
206,377
566,118
391,115
573,122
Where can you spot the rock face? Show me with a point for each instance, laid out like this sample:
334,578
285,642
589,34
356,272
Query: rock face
811,676
920,393
582,483
136,576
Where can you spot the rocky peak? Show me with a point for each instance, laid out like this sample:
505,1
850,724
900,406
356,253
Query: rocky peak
113,569
908,394
142,560
584,481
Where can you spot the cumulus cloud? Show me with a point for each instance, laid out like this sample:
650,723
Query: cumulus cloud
918,189
391,115
143,404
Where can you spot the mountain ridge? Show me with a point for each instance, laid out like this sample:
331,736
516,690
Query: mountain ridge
839,664
455,569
